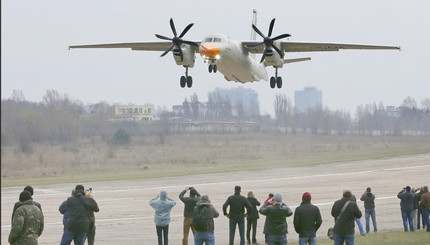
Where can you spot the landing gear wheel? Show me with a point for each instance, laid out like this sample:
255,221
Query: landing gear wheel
210,68
215,68
183,81
189,81
279,82
272,82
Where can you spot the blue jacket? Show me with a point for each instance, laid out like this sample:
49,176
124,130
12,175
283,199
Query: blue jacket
162,208
407,200
63,211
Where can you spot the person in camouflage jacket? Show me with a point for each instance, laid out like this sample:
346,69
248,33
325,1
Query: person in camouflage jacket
27,222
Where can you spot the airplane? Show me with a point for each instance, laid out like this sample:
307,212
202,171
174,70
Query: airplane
234,59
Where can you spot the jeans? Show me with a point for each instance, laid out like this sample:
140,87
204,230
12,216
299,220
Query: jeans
277,239
187,226
339,239
204,237
360,226
308,240
370,213
426,218
407,218
68,236
241,223
251,223
419,214
163,232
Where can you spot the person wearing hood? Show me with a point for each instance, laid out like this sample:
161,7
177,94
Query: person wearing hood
206,236
162,206
407,207
307,220
78,206
276,215
369,209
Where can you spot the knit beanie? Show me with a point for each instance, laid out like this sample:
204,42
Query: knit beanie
24,196
306,196
277,197
29,189
205,198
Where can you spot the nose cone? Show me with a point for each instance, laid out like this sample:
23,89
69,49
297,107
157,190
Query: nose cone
209,50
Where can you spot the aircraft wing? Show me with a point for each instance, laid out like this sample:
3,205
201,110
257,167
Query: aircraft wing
143,46
313,47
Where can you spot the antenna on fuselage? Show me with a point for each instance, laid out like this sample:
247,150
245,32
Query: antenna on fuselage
254,21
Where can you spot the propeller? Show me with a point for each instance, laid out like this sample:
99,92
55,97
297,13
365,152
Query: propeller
268,42
177,40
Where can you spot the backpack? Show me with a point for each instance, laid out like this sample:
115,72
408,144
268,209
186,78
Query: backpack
200,218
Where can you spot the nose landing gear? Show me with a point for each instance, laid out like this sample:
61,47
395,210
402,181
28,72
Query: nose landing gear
276,81
186,80
213,68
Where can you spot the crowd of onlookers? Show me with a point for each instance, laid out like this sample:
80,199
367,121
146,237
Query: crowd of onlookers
79,221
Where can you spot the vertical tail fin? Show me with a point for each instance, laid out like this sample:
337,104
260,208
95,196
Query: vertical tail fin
254,21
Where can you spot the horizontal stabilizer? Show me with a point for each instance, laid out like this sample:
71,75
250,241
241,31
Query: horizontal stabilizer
296,60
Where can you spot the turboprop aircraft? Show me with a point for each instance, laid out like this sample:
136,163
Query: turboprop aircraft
234,59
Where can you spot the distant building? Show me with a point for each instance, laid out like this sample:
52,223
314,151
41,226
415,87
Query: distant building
245,98
139,112
309,98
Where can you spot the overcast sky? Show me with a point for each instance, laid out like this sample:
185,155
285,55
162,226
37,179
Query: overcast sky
36,35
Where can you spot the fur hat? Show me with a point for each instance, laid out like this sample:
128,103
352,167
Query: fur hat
277,197
306,196
29,189
24,196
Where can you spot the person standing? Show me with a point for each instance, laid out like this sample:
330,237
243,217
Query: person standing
190,203
270,200
276,215
18,204
79,207
307,221
162,206
236,214
91,235
358,220
27,222
369,209
407,207
251,219
425,205
419,219
344,223
208,211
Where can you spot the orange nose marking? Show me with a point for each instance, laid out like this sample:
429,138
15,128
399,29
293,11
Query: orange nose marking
209,50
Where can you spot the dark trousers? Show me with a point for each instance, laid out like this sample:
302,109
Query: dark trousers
251,223
241,223
163,232
91,235
69,236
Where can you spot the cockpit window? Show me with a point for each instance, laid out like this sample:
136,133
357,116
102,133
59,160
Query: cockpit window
213,40
208,40
217,40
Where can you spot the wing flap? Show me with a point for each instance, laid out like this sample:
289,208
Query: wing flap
142,46
316,47
287,61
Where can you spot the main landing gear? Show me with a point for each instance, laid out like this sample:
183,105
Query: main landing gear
276,81
186,80
212,68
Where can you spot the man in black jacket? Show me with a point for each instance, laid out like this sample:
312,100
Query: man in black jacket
236,214
369,209
251,219
407,207
276,215
344,227
307,220
79,207
190,204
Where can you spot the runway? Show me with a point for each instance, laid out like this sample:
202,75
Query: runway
125,216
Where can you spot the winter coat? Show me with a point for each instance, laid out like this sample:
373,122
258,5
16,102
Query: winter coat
407,200
237,204
211,214
307,219
345,224
18,204
276,215
79,207
369,200
425,200
190,203
253,212
64,212
162,208
27,224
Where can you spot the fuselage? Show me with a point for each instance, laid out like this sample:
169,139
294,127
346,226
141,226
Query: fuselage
231,59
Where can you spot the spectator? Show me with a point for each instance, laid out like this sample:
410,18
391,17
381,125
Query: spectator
369,209
162,205
276,215
358,220
63,211
251,219
190,204
91,235
270,200
206,235
344,224
27,222
307,220
18,204
415,210
407,207
236,214
425,205
78,223
420,217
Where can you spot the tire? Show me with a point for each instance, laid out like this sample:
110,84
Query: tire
189,81
279,82
272,82
183,82
210,68
215,68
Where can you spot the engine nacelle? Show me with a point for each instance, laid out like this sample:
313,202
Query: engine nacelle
188,53
273,58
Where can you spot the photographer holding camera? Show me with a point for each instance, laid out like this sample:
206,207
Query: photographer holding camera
407,207
190,203
92,229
